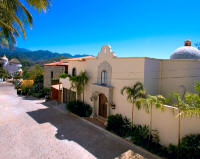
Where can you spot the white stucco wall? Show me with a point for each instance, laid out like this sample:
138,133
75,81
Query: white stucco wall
178,73
152,76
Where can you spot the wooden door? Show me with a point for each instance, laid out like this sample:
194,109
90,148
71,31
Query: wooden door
102,105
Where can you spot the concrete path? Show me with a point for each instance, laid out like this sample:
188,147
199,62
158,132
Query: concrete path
30,129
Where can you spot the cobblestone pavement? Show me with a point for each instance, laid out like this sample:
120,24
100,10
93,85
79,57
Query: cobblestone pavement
30,129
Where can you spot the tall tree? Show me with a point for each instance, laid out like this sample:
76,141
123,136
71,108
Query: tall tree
133,94
3,73
148,103
14,16
78,83
84,80
188,106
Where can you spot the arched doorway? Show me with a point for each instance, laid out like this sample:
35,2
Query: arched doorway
103,105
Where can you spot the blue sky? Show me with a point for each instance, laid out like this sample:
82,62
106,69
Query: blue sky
152,28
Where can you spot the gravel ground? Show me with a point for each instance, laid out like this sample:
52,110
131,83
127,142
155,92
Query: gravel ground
30,129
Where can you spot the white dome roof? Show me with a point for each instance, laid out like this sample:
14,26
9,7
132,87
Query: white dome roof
186,52
4,58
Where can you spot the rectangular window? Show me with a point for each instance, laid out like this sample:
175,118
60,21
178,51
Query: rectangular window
66,69
104,78
51,74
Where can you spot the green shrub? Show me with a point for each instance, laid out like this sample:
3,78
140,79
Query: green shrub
54,81
17,84
140,135
172,152
26,91
119,125
38,89
190,147
63,75
79,108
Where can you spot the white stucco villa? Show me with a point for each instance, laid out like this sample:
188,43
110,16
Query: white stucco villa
108,74
12,67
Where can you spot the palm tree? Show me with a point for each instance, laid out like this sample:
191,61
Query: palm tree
133,93
148,102
14,16
188,106
78,83
84,80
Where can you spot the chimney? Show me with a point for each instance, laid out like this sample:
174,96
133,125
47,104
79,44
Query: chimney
187,43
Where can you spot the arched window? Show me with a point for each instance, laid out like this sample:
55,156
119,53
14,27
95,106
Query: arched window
74,72
104,78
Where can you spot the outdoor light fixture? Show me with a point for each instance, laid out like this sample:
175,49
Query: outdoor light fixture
113,106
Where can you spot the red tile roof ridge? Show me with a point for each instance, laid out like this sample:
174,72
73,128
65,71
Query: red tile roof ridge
56,64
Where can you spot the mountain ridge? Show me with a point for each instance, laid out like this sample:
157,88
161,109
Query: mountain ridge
38,55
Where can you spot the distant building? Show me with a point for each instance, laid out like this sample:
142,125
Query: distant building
12,67
52,71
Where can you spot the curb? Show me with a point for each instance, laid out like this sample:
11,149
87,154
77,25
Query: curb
153,156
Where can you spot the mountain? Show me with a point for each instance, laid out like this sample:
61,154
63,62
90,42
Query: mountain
35,56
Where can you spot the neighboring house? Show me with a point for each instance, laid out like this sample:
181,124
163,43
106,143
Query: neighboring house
52,71
12,67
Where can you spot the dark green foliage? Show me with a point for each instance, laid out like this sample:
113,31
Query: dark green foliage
172,152
190,147
54,81
17,75
38,90
26,91
63,75
17,84
79,108
3,73
119,125
140,136
19,91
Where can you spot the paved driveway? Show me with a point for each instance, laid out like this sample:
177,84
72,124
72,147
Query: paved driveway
31,130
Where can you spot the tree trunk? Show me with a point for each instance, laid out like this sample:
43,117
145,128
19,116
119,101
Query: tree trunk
83,95
179,132
179,129
132,115
150,129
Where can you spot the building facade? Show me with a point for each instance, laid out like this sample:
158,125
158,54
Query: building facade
52,71
108,74
12,67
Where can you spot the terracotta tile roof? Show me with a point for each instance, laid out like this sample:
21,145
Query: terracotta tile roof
14,60
78,59
56,64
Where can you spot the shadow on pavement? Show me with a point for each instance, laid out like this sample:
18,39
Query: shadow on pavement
29,98
97,142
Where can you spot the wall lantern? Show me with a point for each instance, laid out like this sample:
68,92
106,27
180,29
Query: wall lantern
113,106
